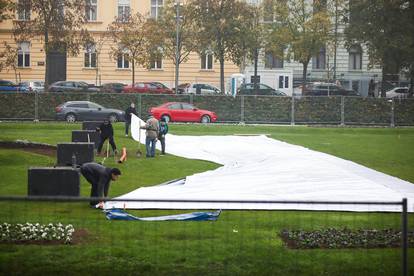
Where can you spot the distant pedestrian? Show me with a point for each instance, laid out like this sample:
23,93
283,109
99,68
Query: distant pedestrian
151,133
371,88
99,177
128,113
163,130
106,132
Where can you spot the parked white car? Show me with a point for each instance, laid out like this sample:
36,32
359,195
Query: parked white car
397,92
198,88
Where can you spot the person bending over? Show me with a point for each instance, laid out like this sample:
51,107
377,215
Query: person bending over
99,177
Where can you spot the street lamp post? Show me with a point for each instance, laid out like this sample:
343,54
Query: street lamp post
177,41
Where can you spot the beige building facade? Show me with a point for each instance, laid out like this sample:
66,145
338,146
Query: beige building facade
95,65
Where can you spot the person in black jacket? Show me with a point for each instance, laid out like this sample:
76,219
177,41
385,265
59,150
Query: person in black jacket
99,177
128,113
107,132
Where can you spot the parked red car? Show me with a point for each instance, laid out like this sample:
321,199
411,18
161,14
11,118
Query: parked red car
147,87
182,112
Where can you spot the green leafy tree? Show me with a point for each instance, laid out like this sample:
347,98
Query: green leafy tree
7,8
220,23
385,28
133,37
8,58
187,32
250,39
305,25
59,23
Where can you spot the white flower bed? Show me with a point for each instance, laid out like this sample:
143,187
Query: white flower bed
36,232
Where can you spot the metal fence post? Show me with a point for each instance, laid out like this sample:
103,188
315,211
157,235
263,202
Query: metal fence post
242,109
404,238
342,110
36,106
392,124
292,112
191,98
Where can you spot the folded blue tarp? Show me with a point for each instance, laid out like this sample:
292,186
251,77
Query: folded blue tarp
117,214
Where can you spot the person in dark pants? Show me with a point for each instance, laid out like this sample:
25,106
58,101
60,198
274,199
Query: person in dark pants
107,132
99,177
163,130
128,113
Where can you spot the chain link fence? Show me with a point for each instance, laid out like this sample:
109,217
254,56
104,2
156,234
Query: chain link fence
333,110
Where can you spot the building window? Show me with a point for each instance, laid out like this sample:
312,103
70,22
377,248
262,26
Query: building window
156,63
23,10
156,8
268,11
91,8
123,61
90,56
319,6
23,54
355,58
318,61
207,61
124,10
271,61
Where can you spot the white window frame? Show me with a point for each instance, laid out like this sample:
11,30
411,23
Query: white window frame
23,10
319,61
89,56
156,64
91,10
124,9
355,58
275,62
207,61
23,54
156,8
124,57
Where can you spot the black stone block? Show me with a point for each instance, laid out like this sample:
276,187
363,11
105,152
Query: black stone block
83,152
50,181
82,136
91,125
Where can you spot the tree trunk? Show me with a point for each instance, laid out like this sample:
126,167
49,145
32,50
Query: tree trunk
411,89
304,73
46,86
222,88
133,72
256,57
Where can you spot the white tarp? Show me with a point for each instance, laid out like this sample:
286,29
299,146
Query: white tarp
259,168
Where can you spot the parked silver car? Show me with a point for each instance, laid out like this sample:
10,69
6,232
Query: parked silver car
87,111
198,88
33,86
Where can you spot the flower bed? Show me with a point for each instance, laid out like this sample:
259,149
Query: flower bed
28,232
344,238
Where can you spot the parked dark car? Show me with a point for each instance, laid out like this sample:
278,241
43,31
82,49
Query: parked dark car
112,87
87,111
260,89
72,86
182,112
147,87
6,85
327,89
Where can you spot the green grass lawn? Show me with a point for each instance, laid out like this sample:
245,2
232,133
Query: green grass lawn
239,243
